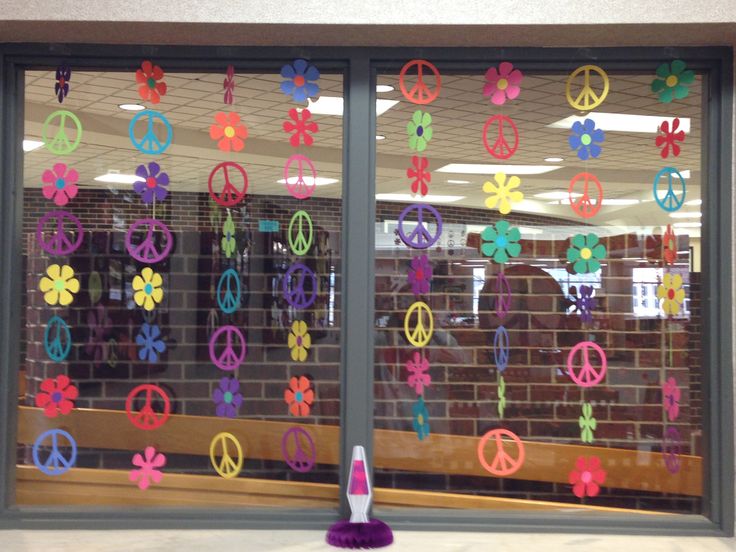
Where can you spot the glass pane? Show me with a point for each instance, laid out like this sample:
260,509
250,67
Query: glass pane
181,315
543,342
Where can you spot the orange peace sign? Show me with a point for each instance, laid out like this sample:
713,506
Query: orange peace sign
221,446
587,98
583,205
420,335
420,93
503,463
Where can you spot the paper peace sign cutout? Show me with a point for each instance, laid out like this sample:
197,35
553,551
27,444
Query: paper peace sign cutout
227,358
295,292
59,233
299,242
150,143
420,93
584,96
502,129
420,237
222,446
421,334
146,251
501,348
55,463
503,295
57,339
504,463
580,199
300,186
299,457
587,376
229,195
60,144
670,200
671,450
146,418
229,291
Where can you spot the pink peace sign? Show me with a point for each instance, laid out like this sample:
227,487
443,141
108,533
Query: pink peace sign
146,418
671,449
503,463
300,186
583,205
587,376
146,251
420,93
229,195
503,295
501,148
227,358
298,449
60,240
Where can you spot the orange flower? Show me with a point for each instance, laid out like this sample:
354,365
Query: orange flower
299,396
230,132
147,77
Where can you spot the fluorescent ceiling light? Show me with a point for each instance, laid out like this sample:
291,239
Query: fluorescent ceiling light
685,173
132,107
620,201
694,202
118,178
553,159
557,195
527,230
458,181
411,198
380,137
310,180
333,105
384,88
687,225
692,214
30,145
478,168
623,122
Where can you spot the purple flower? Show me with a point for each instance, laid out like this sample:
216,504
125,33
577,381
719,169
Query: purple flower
99,326
227,398
585,303
420,274
153,182
63,76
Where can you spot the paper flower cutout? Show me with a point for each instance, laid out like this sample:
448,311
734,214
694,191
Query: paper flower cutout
229,85
667,138
501,242
586,139
227,398
671,396
501,396
418,377
150,342
229,132
300,80
58,285
147,471
63,76
669,246
420,275
585,253
147,288
153,183
672,81
670,293
587,477
419,130
57,396
502,83
228,236
299,396
420,175
587,423
99,326
301,127
584,303
60,184
421,419
502,193
148,77
299,340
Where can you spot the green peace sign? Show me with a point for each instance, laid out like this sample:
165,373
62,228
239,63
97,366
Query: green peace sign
60,144
300,243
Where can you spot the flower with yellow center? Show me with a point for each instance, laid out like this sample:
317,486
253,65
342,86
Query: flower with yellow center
299,340
147,288
58,285
671,294
503,193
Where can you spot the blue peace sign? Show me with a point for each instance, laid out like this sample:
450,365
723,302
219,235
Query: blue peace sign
229,303
501,348
56,463
150,142
295,292
420,237
57,339
670,202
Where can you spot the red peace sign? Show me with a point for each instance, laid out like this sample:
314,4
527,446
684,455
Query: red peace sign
583,206
501,149
420,92
588,376
229,195
146,418
146,251
60,241
503,463
299,186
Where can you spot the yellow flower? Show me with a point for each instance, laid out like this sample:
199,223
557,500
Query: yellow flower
503,194
671,294
148,289
299,340
58,285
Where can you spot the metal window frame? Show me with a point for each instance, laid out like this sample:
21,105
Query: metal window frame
361,66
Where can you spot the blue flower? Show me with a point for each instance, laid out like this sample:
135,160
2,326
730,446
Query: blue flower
585,138
421,419
150,342
298,80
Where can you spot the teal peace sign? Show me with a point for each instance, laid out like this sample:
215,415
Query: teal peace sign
150,143
228,291
61,144
301,242
57,339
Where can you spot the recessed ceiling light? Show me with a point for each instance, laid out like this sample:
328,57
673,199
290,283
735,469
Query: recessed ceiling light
30,145
411,198
623,122
310,181
118,178
380,137
694,202
691,214
458,181
557,195
478,168
333,105
553,159
384,88
132,107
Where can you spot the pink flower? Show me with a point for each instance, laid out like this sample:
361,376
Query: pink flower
502,83
671,395
418,367
587,477
147,471
61,185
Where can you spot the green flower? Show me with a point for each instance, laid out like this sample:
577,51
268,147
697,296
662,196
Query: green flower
586,253
419,130
501,242
228,236
587,424
501,396
673,81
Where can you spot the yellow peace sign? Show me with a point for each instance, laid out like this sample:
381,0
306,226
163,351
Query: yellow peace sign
587,98
226,466
420,335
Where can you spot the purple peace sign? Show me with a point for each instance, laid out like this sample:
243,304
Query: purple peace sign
227,358
503,295
420,237
671,449
292,449
146,251
60,240
294,292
